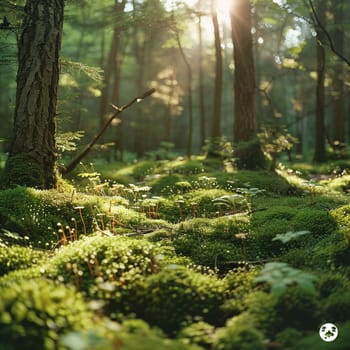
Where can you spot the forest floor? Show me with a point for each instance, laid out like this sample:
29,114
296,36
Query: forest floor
181,254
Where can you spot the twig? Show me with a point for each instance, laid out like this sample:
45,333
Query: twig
88,148
325,32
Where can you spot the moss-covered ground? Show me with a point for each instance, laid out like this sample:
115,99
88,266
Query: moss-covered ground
182,254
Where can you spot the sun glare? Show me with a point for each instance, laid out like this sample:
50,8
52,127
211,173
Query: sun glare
222,6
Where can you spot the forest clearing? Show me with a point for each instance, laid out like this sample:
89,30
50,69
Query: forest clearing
174,175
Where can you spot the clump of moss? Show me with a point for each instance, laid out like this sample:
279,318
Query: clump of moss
17,257
175,297
198,333
32,213
239,333
37,312
142,169
211,241
20,170
97,263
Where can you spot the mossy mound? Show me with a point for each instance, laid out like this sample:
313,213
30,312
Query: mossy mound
35,313
176,296
36,213
211,241
98,265
17,257
240,333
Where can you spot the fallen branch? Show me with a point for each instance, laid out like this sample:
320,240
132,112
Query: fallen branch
88,148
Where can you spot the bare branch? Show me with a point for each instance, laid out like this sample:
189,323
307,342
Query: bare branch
326,33
88,148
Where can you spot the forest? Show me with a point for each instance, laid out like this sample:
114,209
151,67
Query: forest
174,175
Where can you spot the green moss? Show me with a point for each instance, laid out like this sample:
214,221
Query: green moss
142,169
313,342
341,184
176,296
298,309
211,241
294,308
188,167
138,335
199,333
37,312
342,215
32,213
165,185
89,263
21,170
336,307
331,251
288,337
16,257
318,222
239,333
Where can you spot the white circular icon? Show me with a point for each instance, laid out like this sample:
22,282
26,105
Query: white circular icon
328,332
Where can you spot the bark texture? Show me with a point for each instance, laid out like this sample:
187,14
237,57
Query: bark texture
248,150
32,159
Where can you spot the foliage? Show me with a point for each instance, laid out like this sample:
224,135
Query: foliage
37,312
280,275
290,235
65,142
275,140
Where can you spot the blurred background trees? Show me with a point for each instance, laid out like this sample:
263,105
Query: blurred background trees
113,50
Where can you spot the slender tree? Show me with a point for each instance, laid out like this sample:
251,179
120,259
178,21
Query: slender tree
32,158
248,151
216,119
201,77
320,148
338,78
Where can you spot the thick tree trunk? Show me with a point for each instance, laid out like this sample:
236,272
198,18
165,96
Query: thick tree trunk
32,159
320,148
248,149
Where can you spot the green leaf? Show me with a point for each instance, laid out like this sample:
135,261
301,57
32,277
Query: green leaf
286,237
280,275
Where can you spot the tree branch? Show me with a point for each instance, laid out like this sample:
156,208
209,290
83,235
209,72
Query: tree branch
88,148
326,33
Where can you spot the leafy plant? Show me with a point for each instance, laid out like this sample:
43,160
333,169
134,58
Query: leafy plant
280,275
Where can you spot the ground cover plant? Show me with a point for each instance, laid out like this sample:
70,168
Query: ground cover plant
207,261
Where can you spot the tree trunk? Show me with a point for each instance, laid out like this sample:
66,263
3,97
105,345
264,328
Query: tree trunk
214,146
320,149
248,151
189,96
201,81
32,159
338,81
